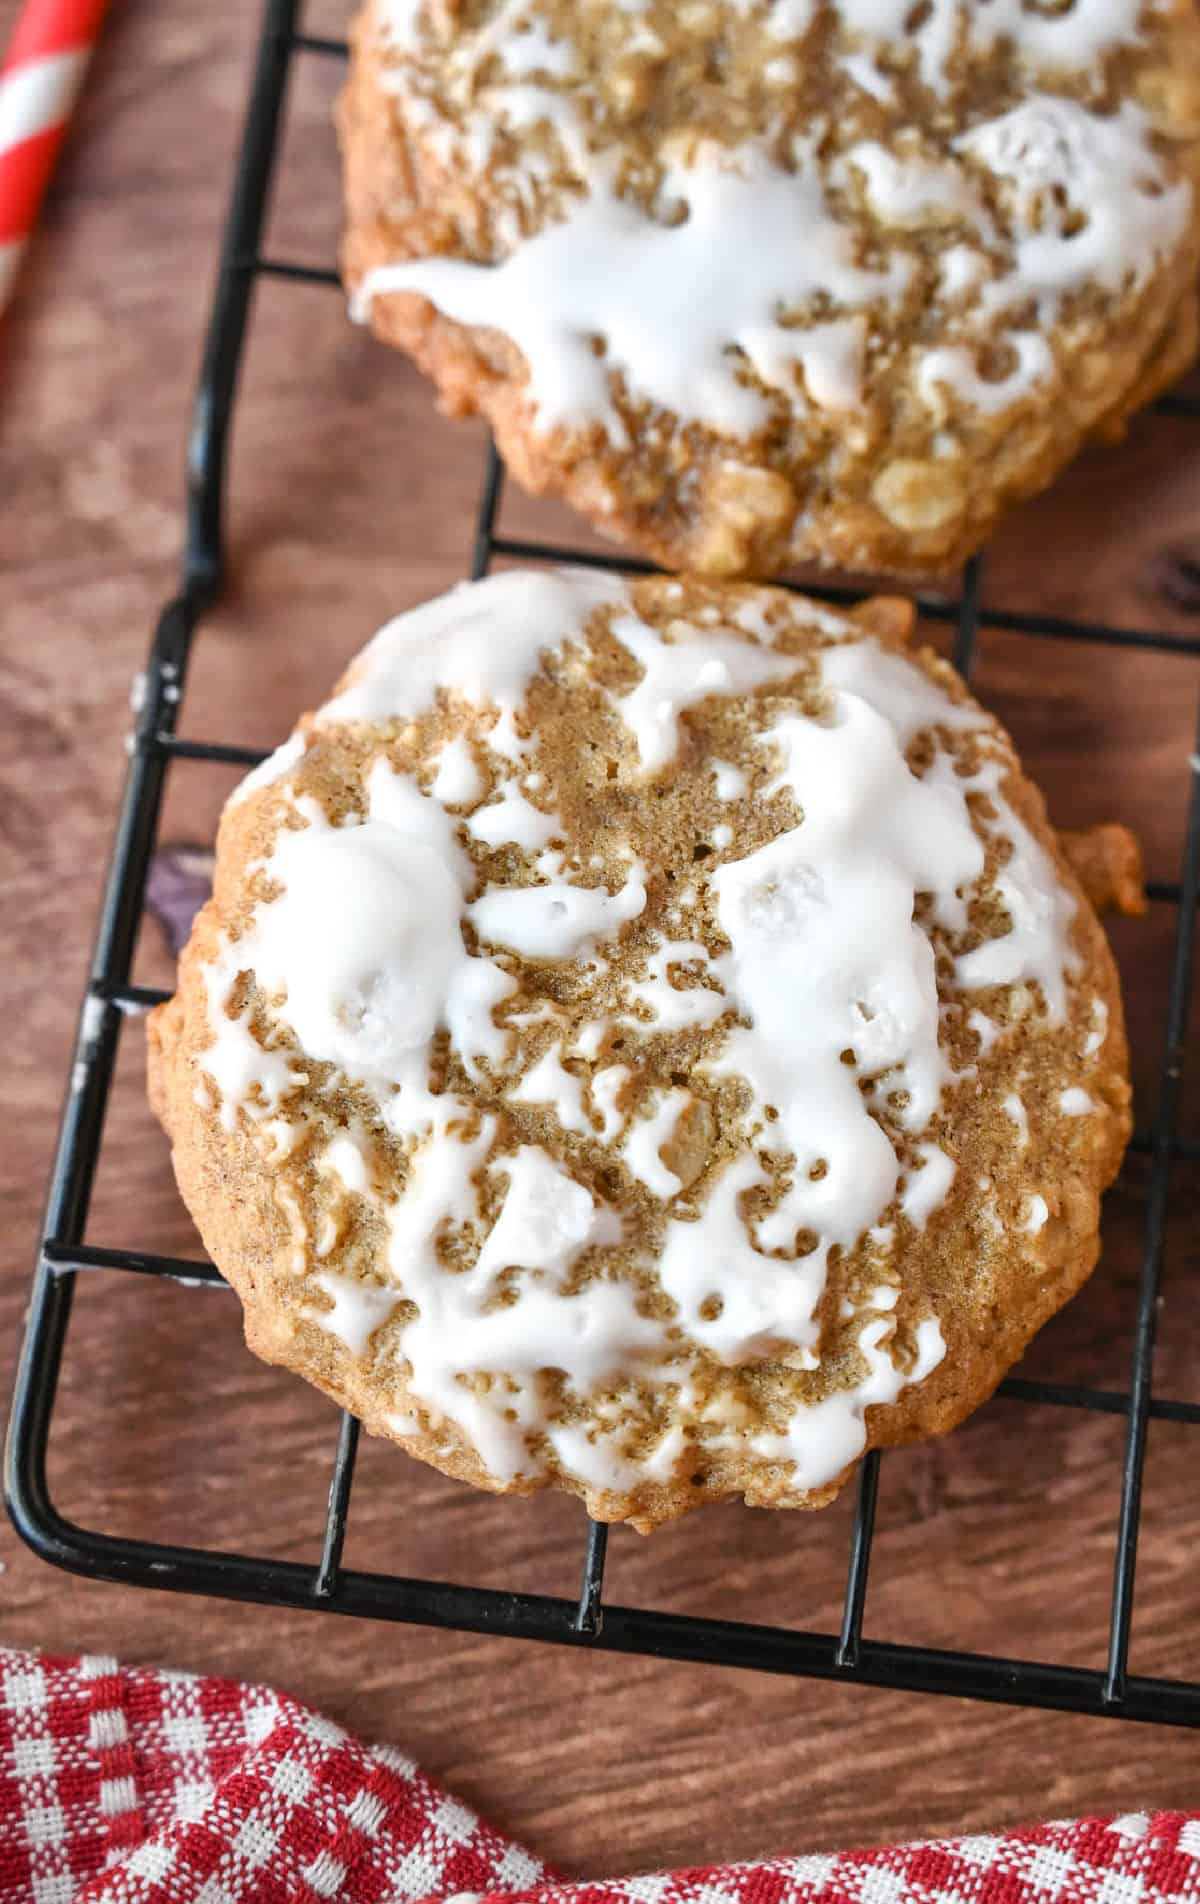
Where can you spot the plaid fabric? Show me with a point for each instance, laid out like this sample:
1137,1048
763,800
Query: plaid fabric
140,1787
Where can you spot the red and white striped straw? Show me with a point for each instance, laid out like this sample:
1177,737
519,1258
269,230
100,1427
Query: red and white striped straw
39,84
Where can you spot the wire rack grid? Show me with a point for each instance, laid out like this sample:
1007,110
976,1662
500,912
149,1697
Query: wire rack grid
588,1620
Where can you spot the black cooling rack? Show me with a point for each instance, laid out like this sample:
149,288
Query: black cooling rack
325,1585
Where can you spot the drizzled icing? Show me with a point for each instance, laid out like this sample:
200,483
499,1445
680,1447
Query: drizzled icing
570,282
818,993
749,256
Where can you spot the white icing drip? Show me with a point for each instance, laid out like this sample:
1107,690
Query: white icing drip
986,1032
589,1041
358,1308
549,1082
458,780
1039,1213
909,191
286,756
823,1440
1063,164
361,950
927,1189
592,1455
607,1086
1074,38
868,78
482,642
790,19
345,1159
1099,1030
661,1462
365,940
279,1138
719,278
1074,1102
954,368
1015,1109
679,673
757,1305
534,51
731,782
1037,944
961,268
722,836
546,1222
673,1006
247,1076
825,957
513,818
645,1142
558,920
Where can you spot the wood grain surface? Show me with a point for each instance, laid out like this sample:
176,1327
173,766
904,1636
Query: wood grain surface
349,500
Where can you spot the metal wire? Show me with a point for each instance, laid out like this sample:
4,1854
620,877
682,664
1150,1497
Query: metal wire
112,998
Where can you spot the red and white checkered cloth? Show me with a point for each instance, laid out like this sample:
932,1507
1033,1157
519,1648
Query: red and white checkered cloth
143,1787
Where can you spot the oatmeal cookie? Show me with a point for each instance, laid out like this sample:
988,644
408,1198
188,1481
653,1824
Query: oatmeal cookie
645,1040
792,281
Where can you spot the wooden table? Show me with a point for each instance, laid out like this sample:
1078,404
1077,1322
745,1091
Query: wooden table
349,500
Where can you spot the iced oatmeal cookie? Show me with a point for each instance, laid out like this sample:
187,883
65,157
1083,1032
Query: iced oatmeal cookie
786,281
646,1040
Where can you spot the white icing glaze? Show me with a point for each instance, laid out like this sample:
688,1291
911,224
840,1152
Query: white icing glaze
674,1006
1039,1213
646,1139
534,51
1063,162
661,1462
513,819
911,191
481,642
1099,1030
736,278
1014,1107
720,277
823,1440
986,1032
953,367
731,782
722,836
679,673
927,1188
359,1308
557,920
247,1076
607,1086
1074,1102
738,1304
344,1157
458,780
1073,38
961,268
545,1223
1038,943
825,958
549,1082
589,1041
286,756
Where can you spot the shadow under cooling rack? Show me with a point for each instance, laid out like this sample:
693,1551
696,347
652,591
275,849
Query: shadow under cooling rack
586,1620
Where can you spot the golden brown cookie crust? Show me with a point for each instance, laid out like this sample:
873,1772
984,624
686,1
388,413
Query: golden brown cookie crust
907,471
1013,1237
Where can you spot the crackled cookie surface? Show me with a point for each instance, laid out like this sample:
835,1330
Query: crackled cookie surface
788,280
644,1040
